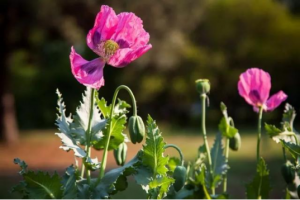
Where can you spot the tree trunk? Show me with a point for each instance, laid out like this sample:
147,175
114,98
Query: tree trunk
8,123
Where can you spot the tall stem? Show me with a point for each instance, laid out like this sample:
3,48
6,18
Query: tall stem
89,134
259,134
104,158
229,121
203,97
226,158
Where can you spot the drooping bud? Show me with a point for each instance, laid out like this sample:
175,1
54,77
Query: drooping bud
136,129
288,172
235,142
120,154
202,86
180,176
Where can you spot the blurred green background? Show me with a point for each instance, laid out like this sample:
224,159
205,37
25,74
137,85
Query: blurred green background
214,39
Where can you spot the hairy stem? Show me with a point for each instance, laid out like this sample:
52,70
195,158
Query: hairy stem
203,97
226,157
89,134
104,158
259,134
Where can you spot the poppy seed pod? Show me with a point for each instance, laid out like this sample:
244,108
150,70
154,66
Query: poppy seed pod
136,129
202,86
180,176
120,154
235,142
288,172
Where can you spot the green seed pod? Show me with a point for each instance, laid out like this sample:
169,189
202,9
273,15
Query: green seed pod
288,172
203,86
298,191
136,129
180,176
235,142
120,154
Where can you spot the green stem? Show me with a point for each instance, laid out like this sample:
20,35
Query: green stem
89,134
82,165
284,154
206,193
203,97
230,122
104,158
226,158
178,150
259,134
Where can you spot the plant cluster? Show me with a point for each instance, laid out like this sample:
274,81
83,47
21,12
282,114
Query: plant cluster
97,124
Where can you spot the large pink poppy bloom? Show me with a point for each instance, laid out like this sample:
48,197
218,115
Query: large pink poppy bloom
117,39
254,86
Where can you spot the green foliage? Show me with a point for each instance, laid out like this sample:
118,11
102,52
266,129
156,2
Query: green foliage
160,186
226,129
153,150
84,112
152,172
92,164
118,122
102,105
115,180
259,188
22,164
66,136
38,185
294,149
69,183
219,163
117,137
173,163
276,134
289,115
73,132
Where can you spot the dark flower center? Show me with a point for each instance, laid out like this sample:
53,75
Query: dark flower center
255,97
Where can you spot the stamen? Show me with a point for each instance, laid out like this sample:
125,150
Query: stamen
110,48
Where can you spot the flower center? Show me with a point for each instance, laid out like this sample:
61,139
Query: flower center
255,97
110,48
106,49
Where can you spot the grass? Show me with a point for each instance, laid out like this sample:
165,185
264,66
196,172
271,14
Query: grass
40,150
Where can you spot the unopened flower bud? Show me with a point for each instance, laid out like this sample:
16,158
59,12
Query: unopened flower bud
136,129
288,172
180,176
120,154
203,86
235,142
223,107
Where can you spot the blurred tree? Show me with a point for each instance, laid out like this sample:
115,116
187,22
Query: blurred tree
8,124
215,39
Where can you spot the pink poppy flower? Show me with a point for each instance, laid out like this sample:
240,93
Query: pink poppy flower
254,86
117,39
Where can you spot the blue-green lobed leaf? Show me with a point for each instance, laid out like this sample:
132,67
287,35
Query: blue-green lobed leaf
219,164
